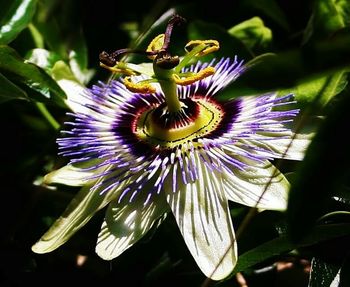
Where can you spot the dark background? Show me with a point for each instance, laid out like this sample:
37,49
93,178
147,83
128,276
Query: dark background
159,259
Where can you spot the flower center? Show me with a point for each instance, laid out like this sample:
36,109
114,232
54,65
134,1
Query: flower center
197,117
176,121
166,69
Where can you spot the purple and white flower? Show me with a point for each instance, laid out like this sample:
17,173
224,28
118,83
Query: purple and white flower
130,153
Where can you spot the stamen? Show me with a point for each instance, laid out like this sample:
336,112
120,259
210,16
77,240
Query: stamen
140,87
110,61
188,80
166,68
209,46
197,48
115,69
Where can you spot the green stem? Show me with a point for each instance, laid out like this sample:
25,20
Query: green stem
47,115
37,37
169,88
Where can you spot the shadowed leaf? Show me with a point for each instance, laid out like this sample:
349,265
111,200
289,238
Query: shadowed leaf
325,167
17,70
252,33
9,91
230,46
328,17
282,245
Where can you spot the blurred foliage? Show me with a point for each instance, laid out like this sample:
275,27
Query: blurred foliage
49,46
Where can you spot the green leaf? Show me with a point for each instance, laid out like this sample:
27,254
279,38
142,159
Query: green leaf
51,33
320,90
52,30
47,60
229,46
80,50
252,33
322,273
322,172
290,68
69,44
16,69
61,71
328,17
9,91
14,17
283,244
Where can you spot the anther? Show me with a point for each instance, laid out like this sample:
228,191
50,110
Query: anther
140,87
107,59
208,71
209,46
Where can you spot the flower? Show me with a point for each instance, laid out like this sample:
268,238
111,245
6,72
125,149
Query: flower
164,140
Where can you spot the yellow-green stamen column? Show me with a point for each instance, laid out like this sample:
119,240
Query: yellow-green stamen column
168,86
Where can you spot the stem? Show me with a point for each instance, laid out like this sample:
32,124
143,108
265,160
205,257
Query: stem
169,89
37,37
39,42
47,115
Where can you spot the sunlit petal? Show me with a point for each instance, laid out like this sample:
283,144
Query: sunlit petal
80,210
78,174
262,186
125,224
201,211
293,147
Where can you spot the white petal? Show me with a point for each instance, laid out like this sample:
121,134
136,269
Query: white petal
125,224
78,213
135,211
260,185
75,98
80,210
201,211
293,148
73,175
